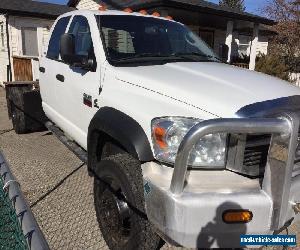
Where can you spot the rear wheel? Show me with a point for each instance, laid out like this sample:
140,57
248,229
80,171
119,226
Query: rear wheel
119,203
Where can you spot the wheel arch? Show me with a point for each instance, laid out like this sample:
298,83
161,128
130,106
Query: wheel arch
111,125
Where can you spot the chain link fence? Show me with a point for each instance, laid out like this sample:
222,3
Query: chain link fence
18,227
11,235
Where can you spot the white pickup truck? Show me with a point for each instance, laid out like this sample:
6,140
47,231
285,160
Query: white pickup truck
183,147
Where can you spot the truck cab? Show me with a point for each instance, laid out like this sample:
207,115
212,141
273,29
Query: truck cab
181,145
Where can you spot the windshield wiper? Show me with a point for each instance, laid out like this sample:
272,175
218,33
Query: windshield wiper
143,55
196,54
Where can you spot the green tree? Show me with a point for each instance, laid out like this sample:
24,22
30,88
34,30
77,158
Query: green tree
272,64
233,4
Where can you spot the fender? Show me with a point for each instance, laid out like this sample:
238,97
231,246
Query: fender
122,128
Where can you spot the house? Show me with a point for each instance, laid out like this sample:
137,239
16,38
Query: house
24,30
244,33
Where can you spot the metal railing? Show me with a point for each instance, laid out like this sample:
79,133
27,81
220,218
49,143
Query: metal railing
33,234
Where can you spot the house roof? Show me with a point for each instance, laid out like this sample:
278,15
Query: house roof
33,8
195,5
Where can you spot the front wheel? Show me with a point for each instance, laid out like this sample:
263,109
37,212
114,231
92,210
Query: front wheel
119,204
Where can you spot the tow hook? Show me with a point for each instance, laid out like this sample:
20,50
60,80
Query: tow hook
296,207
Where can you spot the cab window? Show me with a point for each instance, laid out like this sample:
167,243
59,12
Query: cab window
59,30
83,41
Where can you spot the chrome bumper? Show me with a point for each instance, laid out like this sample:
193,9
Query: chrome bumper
187,206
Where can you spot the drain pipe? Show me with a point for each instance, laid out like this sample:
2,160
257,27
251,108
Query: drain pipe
9,73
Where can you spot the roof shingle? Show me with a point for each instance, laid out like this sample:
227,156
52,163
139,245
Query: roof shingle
196,5
33,8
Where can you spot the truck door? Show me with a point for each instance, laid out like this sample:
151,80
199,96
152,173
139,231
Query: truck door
79,88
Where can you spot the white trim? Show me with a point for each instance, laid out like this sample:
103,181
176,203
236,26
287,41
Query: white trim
229,38
254,46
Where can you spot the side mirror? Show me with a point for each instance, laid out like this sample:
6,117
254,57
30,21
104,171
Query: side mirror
67,53
67,47
223,52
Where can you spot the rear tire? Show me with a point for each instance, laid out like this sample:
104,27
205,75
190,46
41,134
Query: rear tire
120,206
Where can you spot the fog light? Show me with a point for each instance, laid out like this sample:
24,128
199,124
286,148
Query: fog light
237,216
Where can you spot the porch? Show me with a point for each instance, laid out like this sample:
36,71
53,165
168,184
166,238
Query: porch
246,35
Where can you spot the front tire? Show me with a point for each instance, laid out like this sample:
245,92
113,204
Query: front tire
120,206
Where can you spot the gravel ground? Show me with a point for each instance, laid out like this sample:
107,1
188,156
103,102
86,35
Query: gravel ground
63,206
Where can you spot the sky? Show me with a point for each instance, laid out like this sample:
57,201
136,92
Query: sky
252,6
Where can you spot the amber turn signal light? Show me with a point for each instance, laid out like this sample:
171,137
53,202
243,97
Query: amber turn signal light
237,216
159,136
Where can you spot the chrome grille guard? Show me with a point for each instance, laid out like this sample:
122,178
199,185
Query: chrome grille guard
279,168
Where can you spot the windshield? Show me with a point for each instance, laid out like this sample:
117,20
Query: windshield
135,39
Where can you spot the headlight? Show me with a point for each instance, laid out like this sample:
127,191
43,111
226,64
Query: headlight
167,134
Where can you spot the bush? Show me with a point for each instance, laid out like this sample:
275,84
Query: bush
272,65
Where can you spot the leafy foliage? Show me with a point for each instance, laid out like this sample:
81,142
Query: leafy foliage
233,4
272,64
286,42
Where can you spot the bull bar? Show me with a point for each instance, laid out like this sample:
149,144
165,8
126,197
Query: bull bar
277,182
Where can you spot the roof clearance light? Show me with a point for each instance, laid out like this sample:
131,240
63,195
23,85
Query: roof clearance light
102,7
128,10
143,12
156,14
169,17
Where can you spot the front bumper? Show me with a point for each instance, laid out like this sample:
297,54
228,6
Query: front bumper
186,207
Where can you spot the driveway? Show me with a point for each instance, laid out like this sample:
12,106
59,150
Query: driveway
56,185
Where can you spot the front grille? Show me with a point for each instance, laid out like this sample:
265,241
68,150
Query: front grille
256,154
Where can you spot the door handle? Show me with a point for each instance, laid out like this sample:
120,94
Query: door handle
60,77
42,69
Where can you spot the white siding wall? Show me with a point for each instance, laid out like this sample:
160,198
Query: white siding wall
88,5
3,52
262,46
15,24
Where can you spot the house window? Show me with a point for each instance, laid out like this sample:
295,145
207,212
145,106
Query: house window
2,35
207,36
244,45
29,41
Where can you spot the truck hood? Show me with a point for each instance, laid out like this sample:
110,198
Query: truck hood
217,88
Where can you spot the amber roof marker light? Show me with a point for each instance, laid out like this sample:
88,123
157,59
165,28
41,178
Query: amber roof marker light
237,216
156,14
102,7
143,12
128,10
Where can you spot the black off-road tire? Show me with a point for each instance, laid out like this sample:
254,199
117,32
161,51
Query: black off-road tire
127,172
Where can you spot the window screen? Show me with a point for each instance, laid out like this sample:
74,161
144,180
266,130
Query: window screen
29,41
59,30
